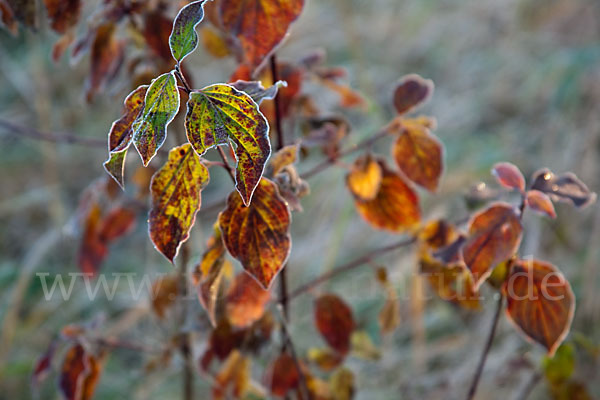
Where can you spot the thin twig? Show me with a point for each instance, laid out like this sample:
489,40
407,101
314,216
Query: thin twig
332,160
289,345
360,261
283,289
226,163
486,349
185,344
22,131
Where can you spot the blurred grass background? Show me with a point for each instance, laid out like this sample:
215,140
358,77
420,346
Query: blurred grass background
516,80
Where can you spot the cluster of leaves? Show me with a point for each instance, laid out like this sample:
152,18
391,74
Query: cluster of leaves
254,226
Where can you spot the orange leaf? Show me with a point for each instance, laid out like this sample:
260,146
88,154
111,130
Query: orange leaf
246,300
176,198
540,203
540,302
334,320
364,179
93,250
259,25
164,294
233,379
208,273
282,158
451,282
418,154
258,235
396,206
509,176
79,374
411,91
118,222
494,236
282,375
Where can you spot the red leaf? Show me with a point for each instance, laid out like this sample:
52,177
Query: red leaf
106,58
494,236
411,91
282,375
509,176
540,302
63,14
334,320
540,203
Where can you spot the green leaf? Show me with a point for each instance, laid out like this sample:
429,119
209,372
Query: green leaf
183,39
175,191
119,137
220,113
160,106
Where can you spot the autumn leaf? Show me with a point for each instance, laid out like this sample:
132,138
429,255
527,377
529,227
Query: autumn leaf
93,250
120,134
63,14
184,39
396,206
335,322
105,59
362,346
7,16
494,236
509,176
341,384
214,42
175,190
233,379
157,28
540,302
43,365
364,179
565,188
25,11
220,113
164,293
419,155
540,203
258,235
411,92
209,272
282,375
451,282
326,359
118,222
389,315
79,374
285,156
258,25
161,103
245,301
257,91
